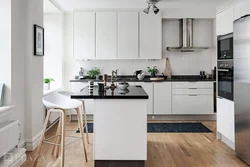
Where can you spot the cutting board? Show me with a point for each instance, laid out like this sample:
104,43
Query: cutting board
168,71
157,79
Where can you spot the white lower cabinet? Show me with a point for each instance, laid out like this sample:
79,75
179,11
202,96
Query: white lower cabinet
162,98
89,104
225,118
149,89
192,104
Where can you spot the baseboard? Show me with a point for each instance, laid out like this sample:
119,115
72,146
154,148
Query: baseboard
21,144
14,158
31,144
211,117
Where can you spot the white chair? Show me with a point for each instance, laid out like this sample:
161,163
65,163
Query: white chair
60,103
68,94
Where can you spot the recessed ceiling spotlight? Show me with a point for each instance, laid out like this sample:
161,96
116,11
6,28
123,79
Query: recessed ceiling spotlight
152,3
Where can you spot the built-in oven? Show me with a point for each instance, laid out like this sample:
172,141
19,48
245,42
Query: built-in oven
225,47
225,79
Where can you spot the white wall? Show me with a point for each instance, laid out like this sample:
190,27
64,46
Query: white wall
181,63
5,48
53,24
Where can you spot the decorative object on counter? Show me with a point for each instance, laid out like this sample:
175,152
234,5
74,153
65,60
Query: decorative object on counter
153,71
38,40
123,91
123,85
137,72
105,78
141,76
1,94
94,73
202,74
47,81
91,86
168,70
81,73
100,87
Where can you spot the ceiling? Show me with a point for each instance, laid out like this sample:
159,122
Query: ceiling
48,7
71,5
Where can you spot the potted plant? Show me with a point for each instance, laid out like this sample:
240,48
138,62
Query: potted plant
47,81
153,71
94,73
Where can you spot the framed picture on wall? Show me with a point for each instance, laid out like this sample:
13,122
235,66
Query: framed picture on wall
38,40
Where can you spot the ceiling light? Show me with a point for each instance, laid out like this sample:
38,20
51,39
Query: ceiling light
146,10
156,10
152,3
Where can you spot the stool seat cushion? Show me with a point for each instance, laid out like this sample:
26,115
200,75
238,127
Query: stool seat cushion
60,101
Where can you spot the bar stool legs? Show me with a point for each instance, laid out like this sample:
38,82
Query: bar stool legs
55,150
85,120
79,116
63,138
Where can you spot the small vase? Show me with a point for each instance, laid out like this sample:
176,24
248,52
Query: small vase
46,86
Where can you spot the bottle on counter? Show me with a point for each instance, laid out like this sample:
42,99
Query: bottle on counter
81,73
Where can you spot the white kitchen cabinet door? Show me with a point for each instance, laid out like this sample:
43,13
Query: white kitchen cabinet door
106,35
162,98
128,43
246,7
192,104
225,118
224,21
89,104
239,10
149,89
84,35
150,36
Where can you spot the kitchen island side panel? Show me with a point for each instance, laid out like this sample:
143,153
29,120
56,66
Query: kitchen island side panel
120,129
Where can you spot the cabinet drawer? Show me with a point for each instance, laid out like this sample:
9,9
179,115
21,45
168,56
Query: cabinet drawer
192,91
177,85
192,104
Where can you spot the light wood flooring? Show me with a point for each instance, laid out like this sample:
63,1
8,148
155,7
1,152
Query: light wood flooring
164,150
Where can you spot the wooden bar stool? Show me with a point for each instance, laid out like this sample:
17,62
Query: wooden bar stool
68,94
60,103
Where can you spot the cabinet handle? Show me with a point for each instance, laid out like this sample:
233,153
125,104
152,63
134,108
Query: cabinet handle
192,88
192,95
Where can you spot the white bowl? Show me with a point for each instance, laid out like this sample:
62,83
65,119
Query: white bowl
123,85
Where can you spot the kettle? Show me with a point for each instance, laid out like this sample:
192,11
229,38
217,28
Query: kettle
141,76
137,72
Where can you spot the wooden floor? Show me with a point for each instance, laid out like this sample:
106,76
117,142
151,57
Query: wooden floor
164,150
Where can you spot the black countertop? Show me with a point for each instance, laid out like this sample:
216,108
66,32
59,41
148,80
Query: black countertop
133,92
176,78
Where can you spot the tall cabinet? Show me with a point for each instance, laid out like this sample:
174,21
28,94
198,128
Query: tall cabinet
106,35
84,35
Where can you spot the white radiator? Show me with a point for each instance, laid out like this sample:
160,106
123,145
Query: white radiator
9,133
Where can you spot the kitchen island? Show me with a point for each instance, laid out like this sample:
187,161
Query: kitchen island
120,126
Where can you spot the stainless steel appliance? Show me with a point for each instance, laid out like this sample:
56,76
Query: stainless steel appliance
226,79
186,37
225,47
242,87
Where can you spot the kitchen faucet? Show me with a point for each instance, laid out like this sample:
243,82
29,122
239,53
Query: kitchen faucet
114,73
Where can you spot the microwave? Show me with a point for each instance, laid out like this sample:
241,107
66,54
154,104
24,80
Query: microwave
225,46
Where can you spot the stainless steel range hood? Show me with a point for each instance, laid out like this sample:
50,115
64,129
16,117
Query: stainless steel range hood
186,37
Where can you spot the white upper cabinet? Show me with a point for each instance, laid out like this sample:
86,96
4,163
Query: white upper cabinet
239,10
106,35
84,35
224,21
128,35
247,6
162,98
150,36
